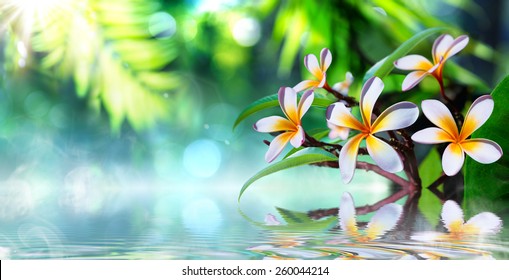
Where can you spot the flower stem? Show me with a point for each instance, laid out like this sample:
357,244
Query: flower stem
350,100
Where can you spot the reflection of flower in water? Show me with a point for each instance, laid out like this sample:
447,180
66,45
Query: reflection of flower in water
485,223
480,224
384,219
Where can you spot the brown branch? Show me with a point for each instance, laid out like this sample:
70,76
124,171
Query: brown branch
391,176
321,213
350,100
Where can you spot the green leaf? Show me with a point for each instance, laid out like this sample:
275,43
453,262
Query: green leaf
293,217
272,101
487,185
385,66
429,170
304,157
307,224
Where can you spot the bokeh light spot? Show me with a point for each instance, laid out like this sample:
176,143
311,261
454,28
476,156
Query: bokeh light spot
162,25
202,158
246,32
36,104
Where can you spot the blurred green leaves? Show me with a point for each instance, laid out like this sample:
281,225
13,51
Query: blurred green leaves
106,48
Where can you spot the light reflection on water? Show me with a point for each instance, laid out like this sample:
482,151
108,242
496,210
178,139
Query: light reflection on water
40,242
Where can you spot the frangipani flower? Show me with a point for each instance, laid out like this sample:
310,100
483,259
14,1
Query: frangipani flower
482,223
317,69
443,48
397,116
341,87
291,126
384,219
482,150
344,86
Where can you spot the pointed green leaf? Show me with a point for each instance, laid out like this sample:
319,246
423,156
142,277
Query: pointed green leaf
300,158
487,185
385,66
293,217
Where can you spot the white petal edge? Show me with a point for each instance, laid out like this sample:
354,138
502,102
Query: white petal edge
346,214
369,95
412,79
478,113
431,135
338,114
288,101
486,222
277,145
306,84
482,150
348,158
440,46
325,59
273,124
385,219
399,115
384,155
439,115
451,213
413,62
305,103
311,64
453,159
457,45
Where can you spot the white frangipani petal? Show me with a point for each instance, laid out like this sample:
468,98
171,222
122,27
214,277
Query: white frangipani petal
482,150
412,79
399,115
305,103
457,45
347,220
305,85
298,137
385,219
348,158
452,215
477,115
273,124
484,223
338,114
452,159
312,65
440,116
325,59
441,46
384,155
413,62
277,145
288,102
431,135
369,95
